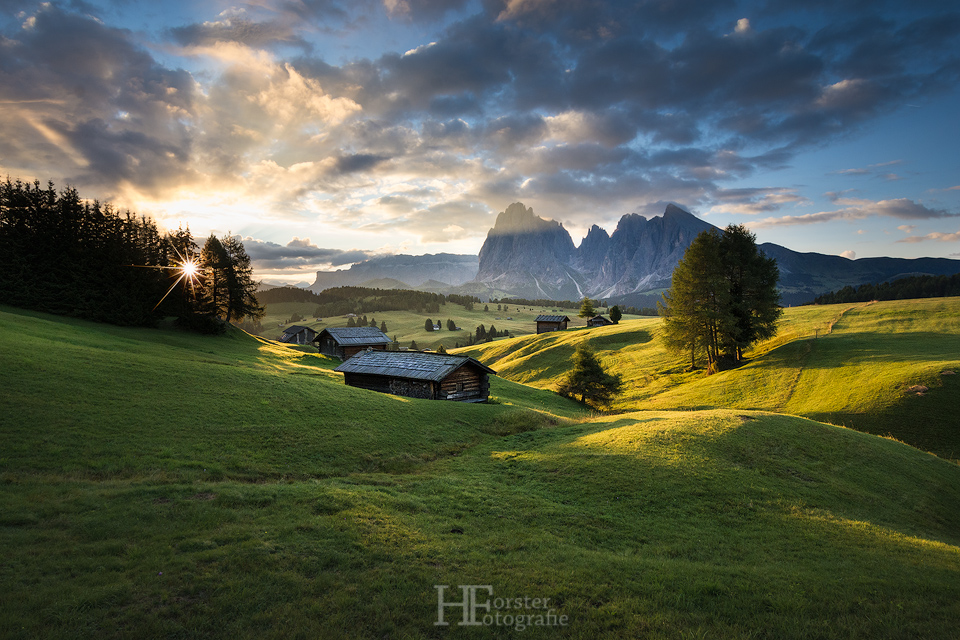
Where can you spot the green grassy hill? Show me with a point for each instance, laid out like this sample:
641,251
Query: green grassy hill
159,484
857,365
407,326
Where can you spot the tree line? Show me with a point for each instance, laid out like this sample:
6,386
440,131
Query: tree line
339,301
65,255
900,289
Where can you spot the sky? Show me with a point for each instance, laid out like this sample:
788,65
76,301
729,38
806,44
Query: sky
324,132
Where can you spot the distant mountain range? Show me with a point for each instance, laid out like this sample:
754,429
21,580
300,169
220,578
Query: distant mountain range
431,271
527,256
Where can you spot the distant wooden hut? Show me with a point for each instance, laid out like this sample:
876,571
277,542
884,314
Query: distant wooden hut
599,321
345,342
419,375
295,334
551,323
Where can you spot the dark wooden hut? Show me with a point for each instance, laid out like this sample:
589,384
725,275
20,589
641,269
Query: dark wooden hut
599,321
295,334
551,323
345,342
419,375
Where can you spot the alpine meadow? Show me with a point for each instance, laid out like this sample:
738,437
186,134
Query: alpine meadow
479,319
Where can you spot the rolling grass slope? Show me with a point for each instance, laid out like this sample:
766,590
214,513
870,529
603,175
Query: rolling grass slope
408,326
846,364
158,484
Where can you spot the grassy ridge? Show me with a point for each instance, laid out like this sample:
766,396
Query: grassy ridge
845,364
158,484
123,399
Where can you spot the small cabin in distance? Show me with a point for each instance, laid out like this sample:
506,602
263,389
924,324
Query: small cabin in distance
414,374
551,323
345,342
296,334
599,321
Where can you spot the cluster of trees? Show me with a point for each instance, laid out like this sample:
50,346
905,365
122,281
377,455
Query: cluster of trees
288,294
723,297
900,289
64,255
543,302
340,301
362,321
482,334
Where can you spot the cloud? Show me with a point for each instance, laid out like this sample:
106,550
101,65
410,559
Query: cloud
901,208
755,201
936,235
298,254
239,30
582,108
850,255
907,228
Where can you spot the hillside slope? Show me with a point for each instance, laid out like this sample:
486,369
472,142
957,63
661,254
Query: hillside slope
846,364
159,484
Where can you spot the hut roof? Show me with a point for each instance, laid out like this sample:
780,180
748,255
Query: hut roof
408,364
356,335
552,318
600,316
294,329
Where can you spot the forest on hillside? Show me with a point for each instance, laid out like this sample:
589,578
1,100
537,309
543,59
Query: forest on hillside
340,301
900,289
65,255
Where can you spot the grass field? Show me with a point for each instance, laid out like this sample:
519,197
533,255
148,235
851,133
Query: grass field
852,365
407,326
159,484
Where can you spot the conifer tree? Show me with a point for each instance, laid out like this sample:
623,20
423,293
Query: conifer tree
586,308
615,314
589,381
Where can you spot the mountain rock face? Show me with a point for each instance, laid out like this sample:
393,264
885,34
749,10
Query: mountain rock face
524,252
410,271
535,258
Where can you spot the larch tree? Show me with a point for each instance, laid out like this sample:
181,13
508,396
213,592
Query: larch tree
587,309
722,299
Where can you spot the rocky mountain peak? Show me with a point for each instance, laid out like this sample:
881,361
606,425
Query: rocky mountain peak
519,219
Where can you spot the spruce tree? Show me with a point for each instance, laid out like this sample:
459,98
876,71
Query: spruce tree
615,314
589,381
586,308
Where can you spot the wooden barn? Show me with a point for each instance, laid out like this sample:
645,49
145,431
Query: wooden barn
551,323
419,375
296,334
345,342
599,321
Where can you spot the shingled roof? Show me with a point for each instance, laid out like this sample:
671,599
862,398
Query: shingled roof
294,329
407,364
356,335
552,318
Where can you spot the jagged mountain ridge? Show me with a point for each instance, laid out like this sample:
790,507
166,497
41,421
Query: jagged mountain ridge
527,256
534,258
